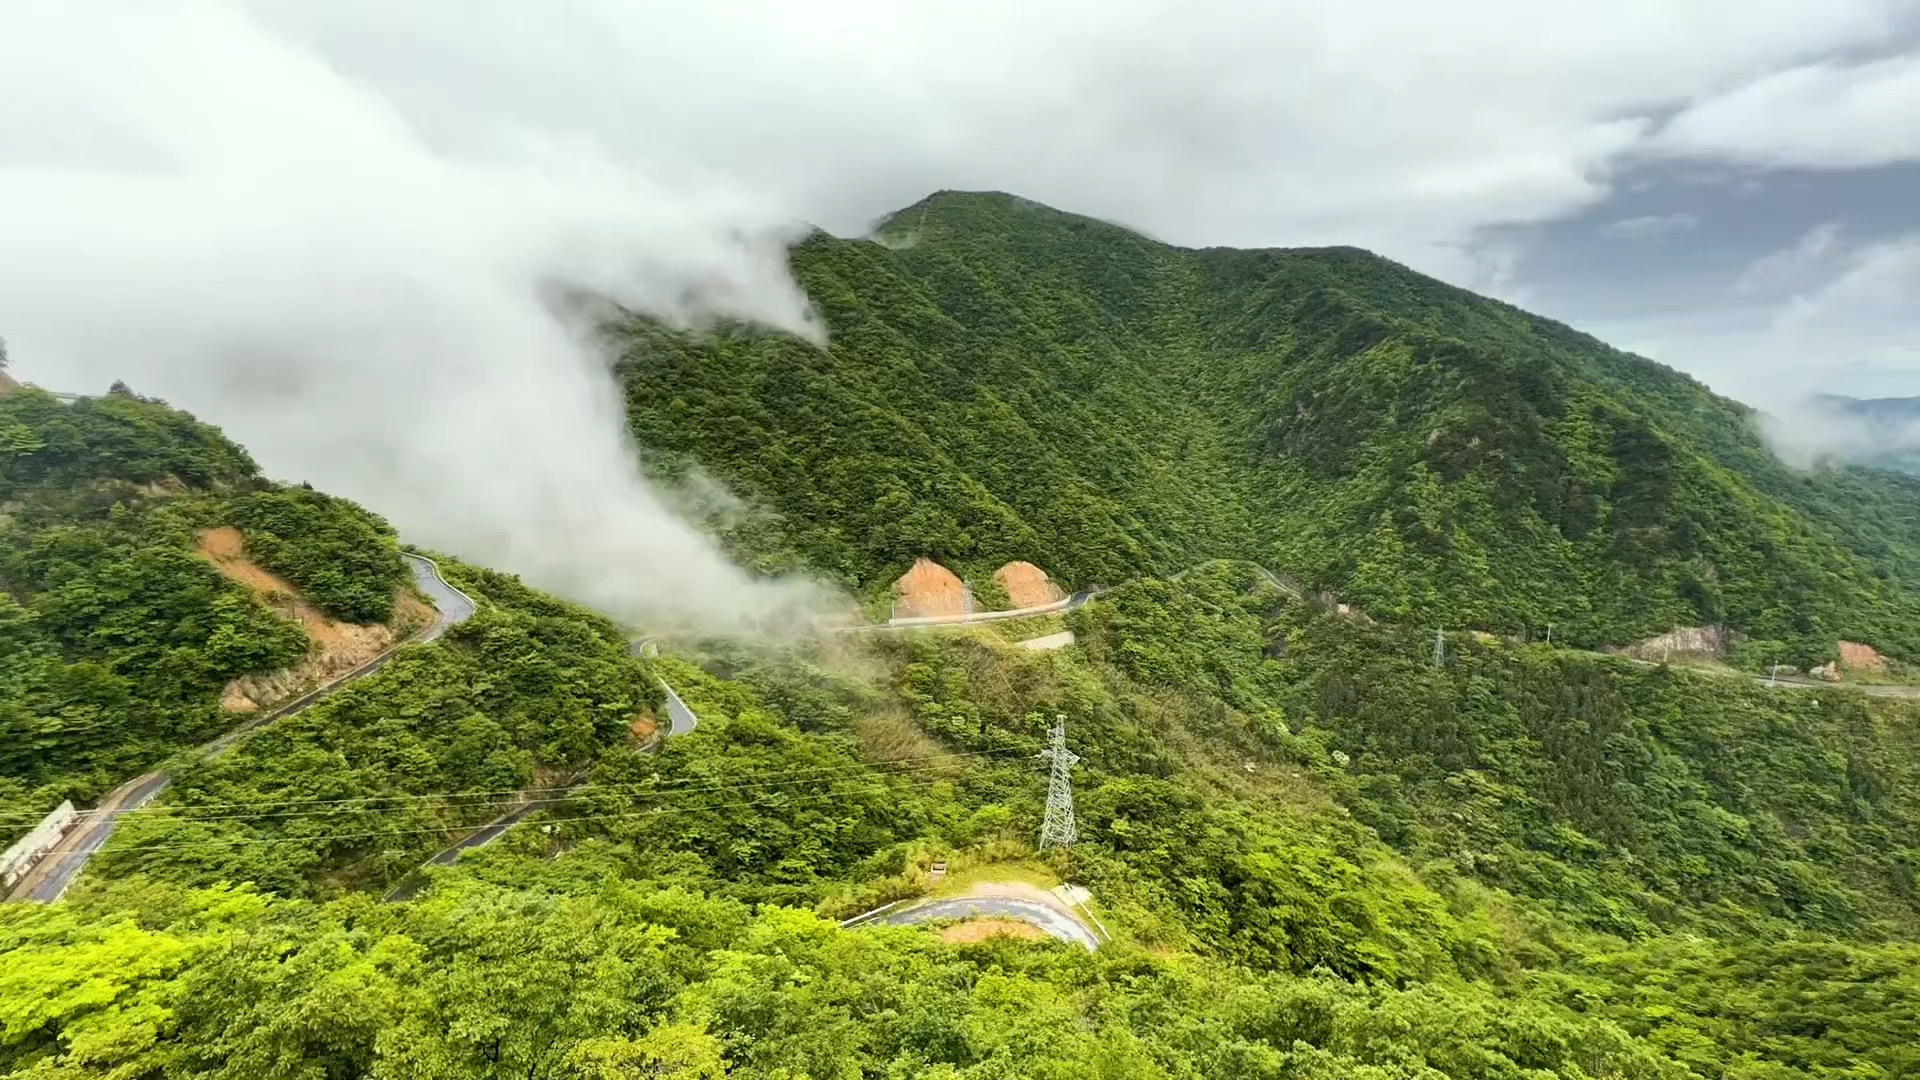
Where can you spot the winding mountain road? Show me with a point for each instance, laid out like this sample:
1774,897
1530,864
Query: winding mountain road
51,876
680,721
1298,591
919,621
411,885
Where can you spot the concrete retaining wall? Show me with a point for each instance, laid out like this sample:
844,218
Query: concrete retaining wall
26,852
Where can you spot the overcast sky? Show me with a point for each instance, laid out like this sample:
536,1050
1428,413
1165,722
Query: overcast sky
1732,186
290,213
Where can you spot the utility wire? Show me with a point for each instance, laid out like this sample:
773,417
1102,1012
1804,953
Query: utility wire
657,812
177,810
566,794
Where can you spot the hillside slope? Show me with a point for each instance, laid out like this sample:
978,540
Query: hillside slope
117,634
152,583
1314,852
1007,381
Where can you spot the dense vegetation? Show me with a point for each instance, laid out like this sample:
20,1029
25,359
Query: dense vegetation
1298,885
116,638
340,559
1323,851
366,784
1007,381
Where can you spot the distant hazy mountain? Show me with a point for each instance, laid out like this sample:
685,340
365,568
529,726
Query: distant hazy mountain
1874,431
1901,411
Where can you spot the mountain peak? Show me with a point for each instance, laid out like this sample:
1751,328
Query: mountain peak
989,211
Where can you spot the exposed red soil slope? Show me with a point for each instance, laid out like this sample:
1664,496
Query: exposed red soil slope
1027,585
929,589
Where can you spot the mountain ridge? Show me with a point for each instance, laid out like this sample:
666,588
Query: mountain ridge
1006,381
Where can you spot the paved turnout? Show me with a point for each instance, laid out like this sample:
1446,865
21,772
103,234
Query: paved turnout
1056,922
51,876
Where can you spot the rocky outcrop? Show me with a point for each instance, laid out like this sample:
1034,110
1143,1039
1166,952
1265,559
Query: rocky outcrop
1697,642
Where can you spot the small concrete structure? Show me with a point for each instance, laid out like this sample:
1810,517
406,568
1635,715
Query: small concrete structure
1048,643
26,852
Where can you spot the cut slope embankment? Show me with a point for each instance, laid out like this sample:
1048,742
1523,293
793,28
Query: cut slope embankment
1027,585
337,647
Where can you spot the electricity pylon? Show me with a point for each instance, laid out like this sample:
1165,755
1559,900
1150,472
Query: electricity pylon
1439,648
1058,828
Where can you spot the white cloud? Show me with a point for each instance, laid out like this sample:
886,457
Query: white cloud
1650,227
1804,263
214,215
1826,318
1860,326
1855,333
1398,125
1821,115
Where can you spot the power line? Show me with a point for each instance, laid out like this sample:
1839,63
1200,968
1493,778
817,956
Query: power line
558,795
656,812
335,805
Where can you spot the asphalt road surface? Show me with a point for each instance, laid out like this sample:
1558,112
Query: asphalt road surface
1054,921
680,719
453,605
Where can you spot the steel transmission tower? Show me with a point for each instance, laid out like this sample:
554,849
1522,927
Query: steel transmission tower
1439,648
1058,828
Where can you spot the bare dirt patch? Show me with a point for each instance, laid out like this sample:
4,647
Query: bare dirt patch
981,929
1027,585
644,727
1857,657
929,589
337,647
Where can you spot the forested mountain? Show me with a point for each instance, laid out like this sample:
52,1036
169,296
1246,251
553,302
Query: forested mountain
1320,847
1008,381
1318,856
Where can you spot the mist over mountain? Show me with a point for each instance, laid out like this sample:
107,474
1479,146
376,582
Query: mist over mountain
1879,432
